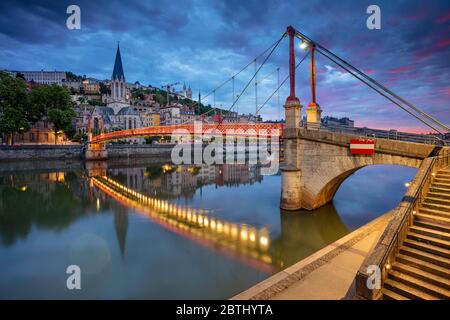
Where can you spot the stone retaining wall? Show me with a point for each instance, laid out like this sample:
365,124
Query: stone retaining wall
65,152
139,151
39,152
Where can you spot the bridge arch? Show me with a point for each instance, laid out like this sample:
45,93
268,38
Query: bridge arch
324,166
328,191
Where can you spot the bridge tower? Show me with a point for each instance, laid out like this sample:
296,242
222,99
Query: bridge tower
313,111
290,171
95,151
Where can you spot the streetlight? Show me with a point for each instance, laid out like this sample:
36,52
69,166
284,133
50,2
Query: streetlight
304,45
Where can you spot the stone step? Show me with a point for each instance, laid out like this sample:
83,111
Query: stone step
407,291
432,218
441,185
439,195
391,295
425,256
422,275
430,232
424,265
437,189
445,174
442,208
441,179
433,210
429,225
427,247
423,286
429,240
440,201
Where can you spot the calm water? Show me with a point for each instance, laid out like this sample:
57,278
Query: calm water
128,246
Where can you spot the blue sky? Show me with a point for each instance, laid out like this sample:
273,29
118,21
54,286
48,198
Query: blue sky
202,43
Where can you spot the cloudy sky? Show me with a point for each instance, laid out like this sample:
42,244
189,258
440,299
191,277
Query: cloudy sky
203,43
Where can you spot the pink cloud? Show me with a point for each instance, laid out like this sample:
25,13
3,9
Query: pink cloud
419,56
443,18
444,91
400,69
442,44
386,126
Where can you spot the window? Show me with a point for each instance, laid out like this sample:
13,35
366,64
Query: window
46,137
31,137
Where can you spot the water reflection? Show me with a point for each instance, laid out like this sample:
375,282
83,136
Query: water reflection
201,204
54,200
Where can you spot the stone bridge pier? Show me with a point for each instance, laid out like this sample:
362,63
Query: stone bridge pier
95,151
323,161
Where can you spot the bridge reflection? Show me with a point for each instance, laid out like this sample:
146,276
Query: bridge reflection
239,240
56,200
301,234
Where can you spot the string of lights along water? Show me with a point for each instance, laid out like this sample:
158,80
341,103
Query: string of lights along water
160,231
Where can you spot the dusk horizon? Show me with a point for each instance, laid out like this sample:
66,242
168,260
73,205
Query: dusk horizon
202,44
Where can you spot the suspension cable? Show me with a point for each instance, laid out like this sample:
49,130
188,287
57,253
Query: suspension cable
378,91
282,83
272,47
262,64
233,97
245,67
373,81
268,75
278,96
440,124
256,91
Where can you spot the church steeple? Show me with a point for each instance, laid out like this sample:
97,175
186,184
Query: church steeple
118,85
118,69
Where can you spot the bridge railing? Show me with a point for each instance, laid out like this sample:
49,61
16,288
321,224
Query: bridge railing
383,255
387,134
261,130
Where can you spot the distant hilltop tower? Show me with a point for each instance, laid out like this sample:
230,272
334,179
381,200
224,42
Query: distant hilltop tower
187,92
118,87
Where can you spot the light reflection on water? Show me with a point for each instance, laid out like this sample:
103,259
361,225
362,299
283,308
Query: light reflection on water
140,231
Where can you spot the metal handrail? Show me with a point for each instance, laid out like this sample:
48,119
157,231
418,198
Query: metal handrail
385,134
437,163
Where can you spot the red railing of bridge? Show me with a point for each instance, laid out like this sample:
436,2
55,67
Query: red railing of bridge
224,129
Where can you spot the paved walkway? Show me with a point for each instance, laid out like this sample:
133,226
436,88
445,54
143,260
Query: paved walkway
327,274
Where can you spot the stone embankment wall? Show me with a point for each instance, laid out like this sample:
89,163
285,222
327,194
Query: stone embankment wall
64,152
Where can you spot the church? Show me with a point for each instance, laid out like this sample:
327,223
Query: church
118,113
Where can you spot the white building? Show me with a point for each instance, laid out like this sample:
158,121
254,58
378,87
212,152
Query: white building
170,115
43,77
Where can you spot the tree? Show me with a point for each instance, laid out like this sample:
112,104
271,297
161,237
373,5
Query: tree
13,106
160,98
61,119
72,76
96,103
104,89
53,102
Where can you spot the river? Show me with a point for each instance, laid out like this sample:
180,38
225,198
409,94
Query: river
159,231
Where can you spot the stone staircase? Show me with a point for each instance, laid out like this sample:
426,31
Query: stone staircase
422,268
